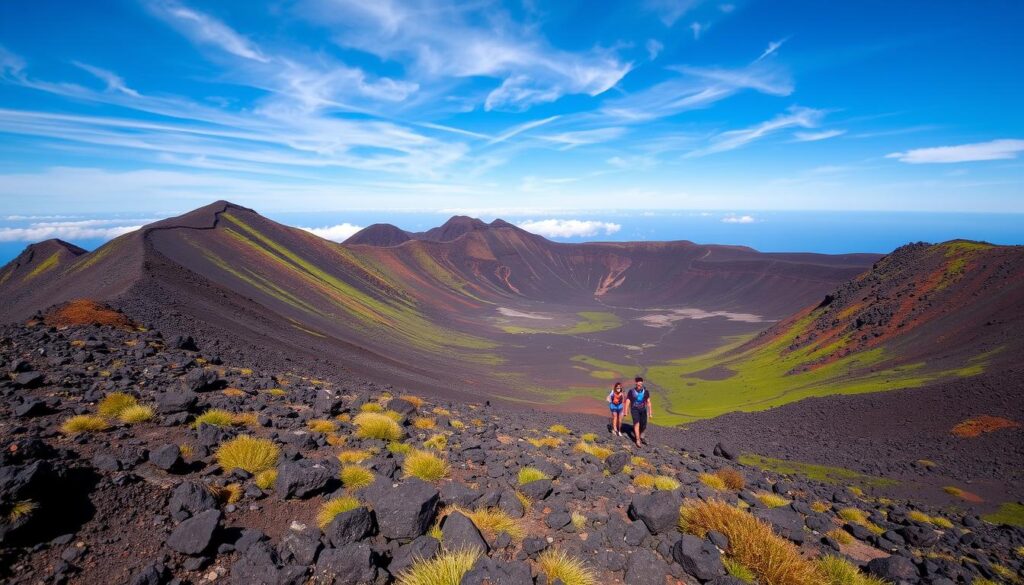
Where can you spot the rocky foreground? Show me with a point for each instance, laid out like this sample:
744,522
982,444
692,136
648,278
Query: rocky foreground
122,463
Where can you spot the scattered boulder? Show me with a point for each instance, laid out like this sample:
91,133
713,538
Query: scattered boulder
165,456
351,564
894,568
193,536
643,567
659,511
461,534
302,479
348,527
406,511
190,498
698,557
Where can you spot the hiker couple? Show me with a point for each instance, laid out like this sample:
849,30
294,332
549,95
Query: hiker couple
638,402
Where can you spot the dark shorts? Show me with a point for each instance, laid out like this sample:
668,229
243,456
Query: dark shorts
639,417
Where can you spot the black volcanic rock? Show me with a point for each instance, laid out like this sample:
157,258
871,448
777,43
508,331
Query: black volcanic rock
193,536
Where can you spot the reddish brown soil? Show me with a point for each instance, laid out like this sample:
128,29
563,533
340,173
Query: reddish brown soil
976,426
86,312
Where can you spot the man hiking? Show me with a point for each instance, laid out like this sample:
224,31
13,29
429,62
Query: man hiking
638,403
616,404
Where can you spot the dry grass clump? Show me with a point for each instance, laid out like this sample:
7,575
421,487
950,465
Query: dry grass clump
413,400
839,571
820,506
233,392
601,453
356,477
919,516
561,430
215,416
372,425
441,411
186,450
354,456
424,465
528,503
228,494
371,407
18,510
456,424
857,516
333,507
549,442
424,423
247,419
437,442
447,568
840,536
322,425
771,500
712,481
644,480
752,542
732,479
115,402
579,521
86,312
247,453
494,521
399,448
265,479
277,392
530,474
665,483
976,426
556,564
136,414
84,423
589,437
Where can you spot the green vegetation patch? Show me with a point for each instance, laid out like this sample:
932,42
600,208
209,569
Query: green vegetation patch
589,322
1010,513
45,266
822,473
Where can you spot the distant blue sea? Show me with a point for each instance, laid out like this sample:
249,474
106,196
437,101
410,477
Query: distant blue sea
769,231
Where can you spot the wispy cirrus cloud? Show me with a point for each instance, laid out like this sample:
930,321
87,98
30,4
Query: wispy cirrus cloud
795,116
1004,149
771,49
570,228
816,136
206,29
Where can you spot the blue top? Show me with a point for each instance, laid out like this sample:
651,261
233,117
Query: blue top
634,398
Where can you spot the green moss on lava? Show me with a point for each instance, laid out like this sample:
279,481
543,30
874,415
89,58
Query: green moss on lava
1010,513
98,254
822,473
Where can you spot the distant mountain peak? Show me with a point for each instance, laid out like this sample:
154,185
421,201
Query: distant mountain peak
379,234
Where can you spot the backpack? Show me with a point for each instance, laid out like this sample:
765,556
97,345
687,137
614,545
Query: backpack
641,398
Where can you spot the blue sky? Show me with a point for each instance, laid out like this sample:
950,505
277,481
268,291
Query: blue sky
530,109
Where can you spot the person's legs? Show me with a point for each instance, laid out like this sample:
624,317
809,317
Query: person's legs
636,415
617,422
643,425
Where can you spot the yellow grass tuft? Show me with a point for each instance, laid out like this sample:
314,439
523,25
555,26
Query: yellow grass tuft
712,481
333,507
820,506
246,419
216,417
186,450
322,425
136,414
277,392
665,483
424,423
233,392
354,456
839,571
447,568
229,494
83,423
399,448
579,521
456,424
752,542
355,477
840,536
437,442
19,510
644,480
335,440
771,500
492,521
247,453
738,570
371,425
265,479
413,400
589,437
558,565
561,430
857,516
549,442
601,453
530,474
424,465
528,503
115,402
371,407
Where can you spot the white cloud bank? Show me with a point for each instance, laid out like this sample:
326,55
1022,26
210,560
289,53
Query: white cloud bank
978,151
335,233
65,231
569,228
738,219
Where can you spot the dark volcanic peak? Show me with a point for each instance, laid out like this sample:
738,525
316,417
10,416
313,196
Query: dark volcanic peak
379,234
38,259
452,229
202,218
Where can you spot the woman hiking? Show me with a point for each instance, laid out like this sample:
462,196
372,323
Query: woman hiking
638,402
617,403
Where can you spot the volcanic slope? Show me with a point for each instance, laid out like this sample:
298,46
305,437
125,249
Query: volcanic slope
923,313
437,311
